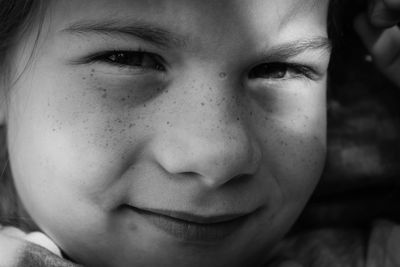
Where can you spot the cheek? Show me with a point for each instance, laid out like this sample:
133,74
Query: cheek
294,146
293,163
82,136
298,163
98,114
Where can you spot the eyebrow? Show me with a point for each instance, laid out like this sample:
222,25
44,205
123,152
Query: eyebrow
149,33
165,39
294,48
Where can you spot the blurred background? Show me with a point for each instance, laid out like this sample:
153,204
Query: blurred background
361,179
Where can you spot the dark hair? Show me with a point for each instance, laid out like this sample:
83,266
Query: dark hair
16,16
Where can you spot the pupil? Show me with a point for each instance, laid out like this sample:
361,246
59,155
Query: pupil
279,73
142,60
269,71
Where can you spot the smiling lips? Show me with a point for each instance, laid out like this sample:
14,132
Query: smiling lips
193,228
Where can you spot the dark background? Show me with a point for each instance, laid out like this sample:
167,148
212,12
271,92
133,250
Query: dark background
361,179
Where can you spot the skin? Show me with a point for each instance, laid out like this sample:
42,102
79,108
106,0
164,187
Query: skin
209,134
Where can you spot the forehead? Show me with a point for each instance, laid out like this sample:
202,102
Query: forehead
169,8
193,17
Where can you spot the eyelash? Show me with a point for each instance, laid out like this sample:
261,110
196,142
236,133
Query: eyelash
280,71
150,61
139,59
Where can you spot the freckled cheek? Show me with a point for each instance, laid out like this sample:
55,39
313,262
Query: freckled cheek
295,155
90,125
122,89
98,115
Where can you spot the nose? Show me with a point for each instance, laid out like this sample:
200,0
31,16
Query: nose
211,144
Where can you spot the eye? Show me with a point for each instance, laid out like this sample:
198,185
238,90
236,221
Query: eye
279,71
133,59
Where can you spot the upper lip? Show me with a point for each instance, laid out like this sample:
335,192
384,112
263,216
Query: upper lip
193,218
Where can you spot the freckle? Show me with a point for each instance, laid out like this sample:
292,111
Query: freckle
202,104
104,95
222,75
123,99
144,105
92,70
83,78
168,122
131,125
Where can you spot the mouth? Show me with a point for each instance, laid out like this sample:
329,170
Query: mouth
194,228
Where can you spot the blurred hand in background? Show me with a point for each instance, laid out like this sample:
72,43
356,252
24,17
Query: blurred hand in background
379,29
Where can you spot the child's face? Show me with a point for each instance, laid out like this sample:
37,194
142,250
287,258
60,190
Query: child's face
202,111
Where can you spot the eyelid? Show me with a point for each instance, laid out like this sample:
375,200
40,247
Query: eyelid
315,60
306,71
97,55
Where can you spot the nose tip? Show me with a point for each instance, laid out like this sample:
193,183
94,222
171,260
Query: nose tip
213,161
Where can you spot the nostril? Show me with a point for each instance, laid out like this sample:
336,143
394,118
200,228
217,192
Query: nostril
240,178
190,174
235,180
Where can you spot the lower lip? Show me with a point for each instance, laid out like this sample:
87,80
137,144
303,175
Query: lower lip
193,232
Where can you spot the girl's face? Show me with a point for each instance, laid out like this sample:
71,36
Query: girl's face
181,133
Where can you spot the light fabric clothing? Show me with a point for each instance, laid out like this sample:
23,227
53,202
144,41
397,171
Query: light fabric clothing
42,240
37,238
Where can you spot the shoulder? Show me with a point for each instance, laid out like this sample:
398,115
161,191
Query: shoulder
377,245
